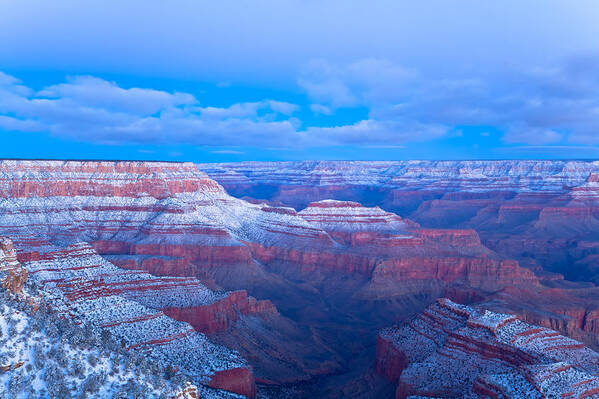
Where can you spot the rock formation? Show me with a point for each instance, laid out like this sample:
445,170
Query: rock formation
452,350
231,292
542,214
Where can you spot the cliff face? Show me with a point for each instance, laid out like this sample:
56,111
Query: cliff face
172,220
185,261
67,359
455,350
81,286
220,315
74,221
524,210
12,274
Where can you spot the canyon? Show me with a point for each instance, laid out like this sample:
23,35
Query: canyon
540,215
296,279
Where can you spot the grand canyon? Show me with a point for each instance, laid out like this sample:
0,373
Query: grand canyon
299,199
404,279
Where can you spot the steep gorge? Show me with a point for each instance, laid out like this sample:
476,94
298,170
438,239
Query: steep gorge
233,292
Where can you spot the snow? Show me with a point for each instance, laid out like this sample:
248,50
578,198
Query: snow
60,359
513,175
455,348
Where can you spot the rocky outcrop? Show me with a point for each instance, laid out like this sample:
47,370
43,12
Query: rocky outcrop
188,392
239,380
221,314
67,359
12,275
390,361
80,285
453,350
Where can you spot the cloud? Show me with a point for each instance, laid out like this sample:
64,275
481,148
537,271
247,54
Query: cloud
249,109
537,106
533,106
14,124
375,131
365,81
240,110
94,92
232,152
282,107
532,135
320,109
95,110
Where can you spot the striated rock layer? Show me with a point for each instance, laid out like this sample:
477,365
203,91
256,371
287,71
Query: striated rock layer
169,220
523,209
168,245
541,213
172,220
80,285
452,350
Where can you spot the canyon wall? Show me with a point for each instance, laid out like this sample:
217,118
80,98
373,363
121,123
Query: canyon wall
452,350
293,288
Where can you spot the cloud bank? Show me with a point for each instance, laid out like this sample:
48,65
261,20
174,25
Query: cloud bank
90,109
539,106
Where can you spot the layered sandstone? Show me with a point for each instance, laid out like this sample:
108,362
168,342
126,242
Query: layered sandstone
166,219
172,239
541,213
454,350
80,285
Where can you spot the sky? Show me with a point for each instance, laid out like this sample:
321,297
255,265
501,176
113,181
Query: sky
299,79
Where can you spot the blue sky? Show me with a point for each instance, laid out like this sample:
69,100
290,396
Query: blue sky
299,79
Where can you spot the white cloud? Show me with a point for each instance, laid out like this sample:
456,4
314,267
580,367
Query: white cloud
331,91
249,109
14,124
320,109
232,152
94,92
239,110
363,82
540,105
388,132
94,110
532,135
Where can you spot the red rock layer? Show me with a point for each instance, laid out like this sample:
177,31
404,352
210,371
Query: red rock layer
172,259
453,237
220,315
452,350
310,260
483,273
390,361
238,380
117,179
